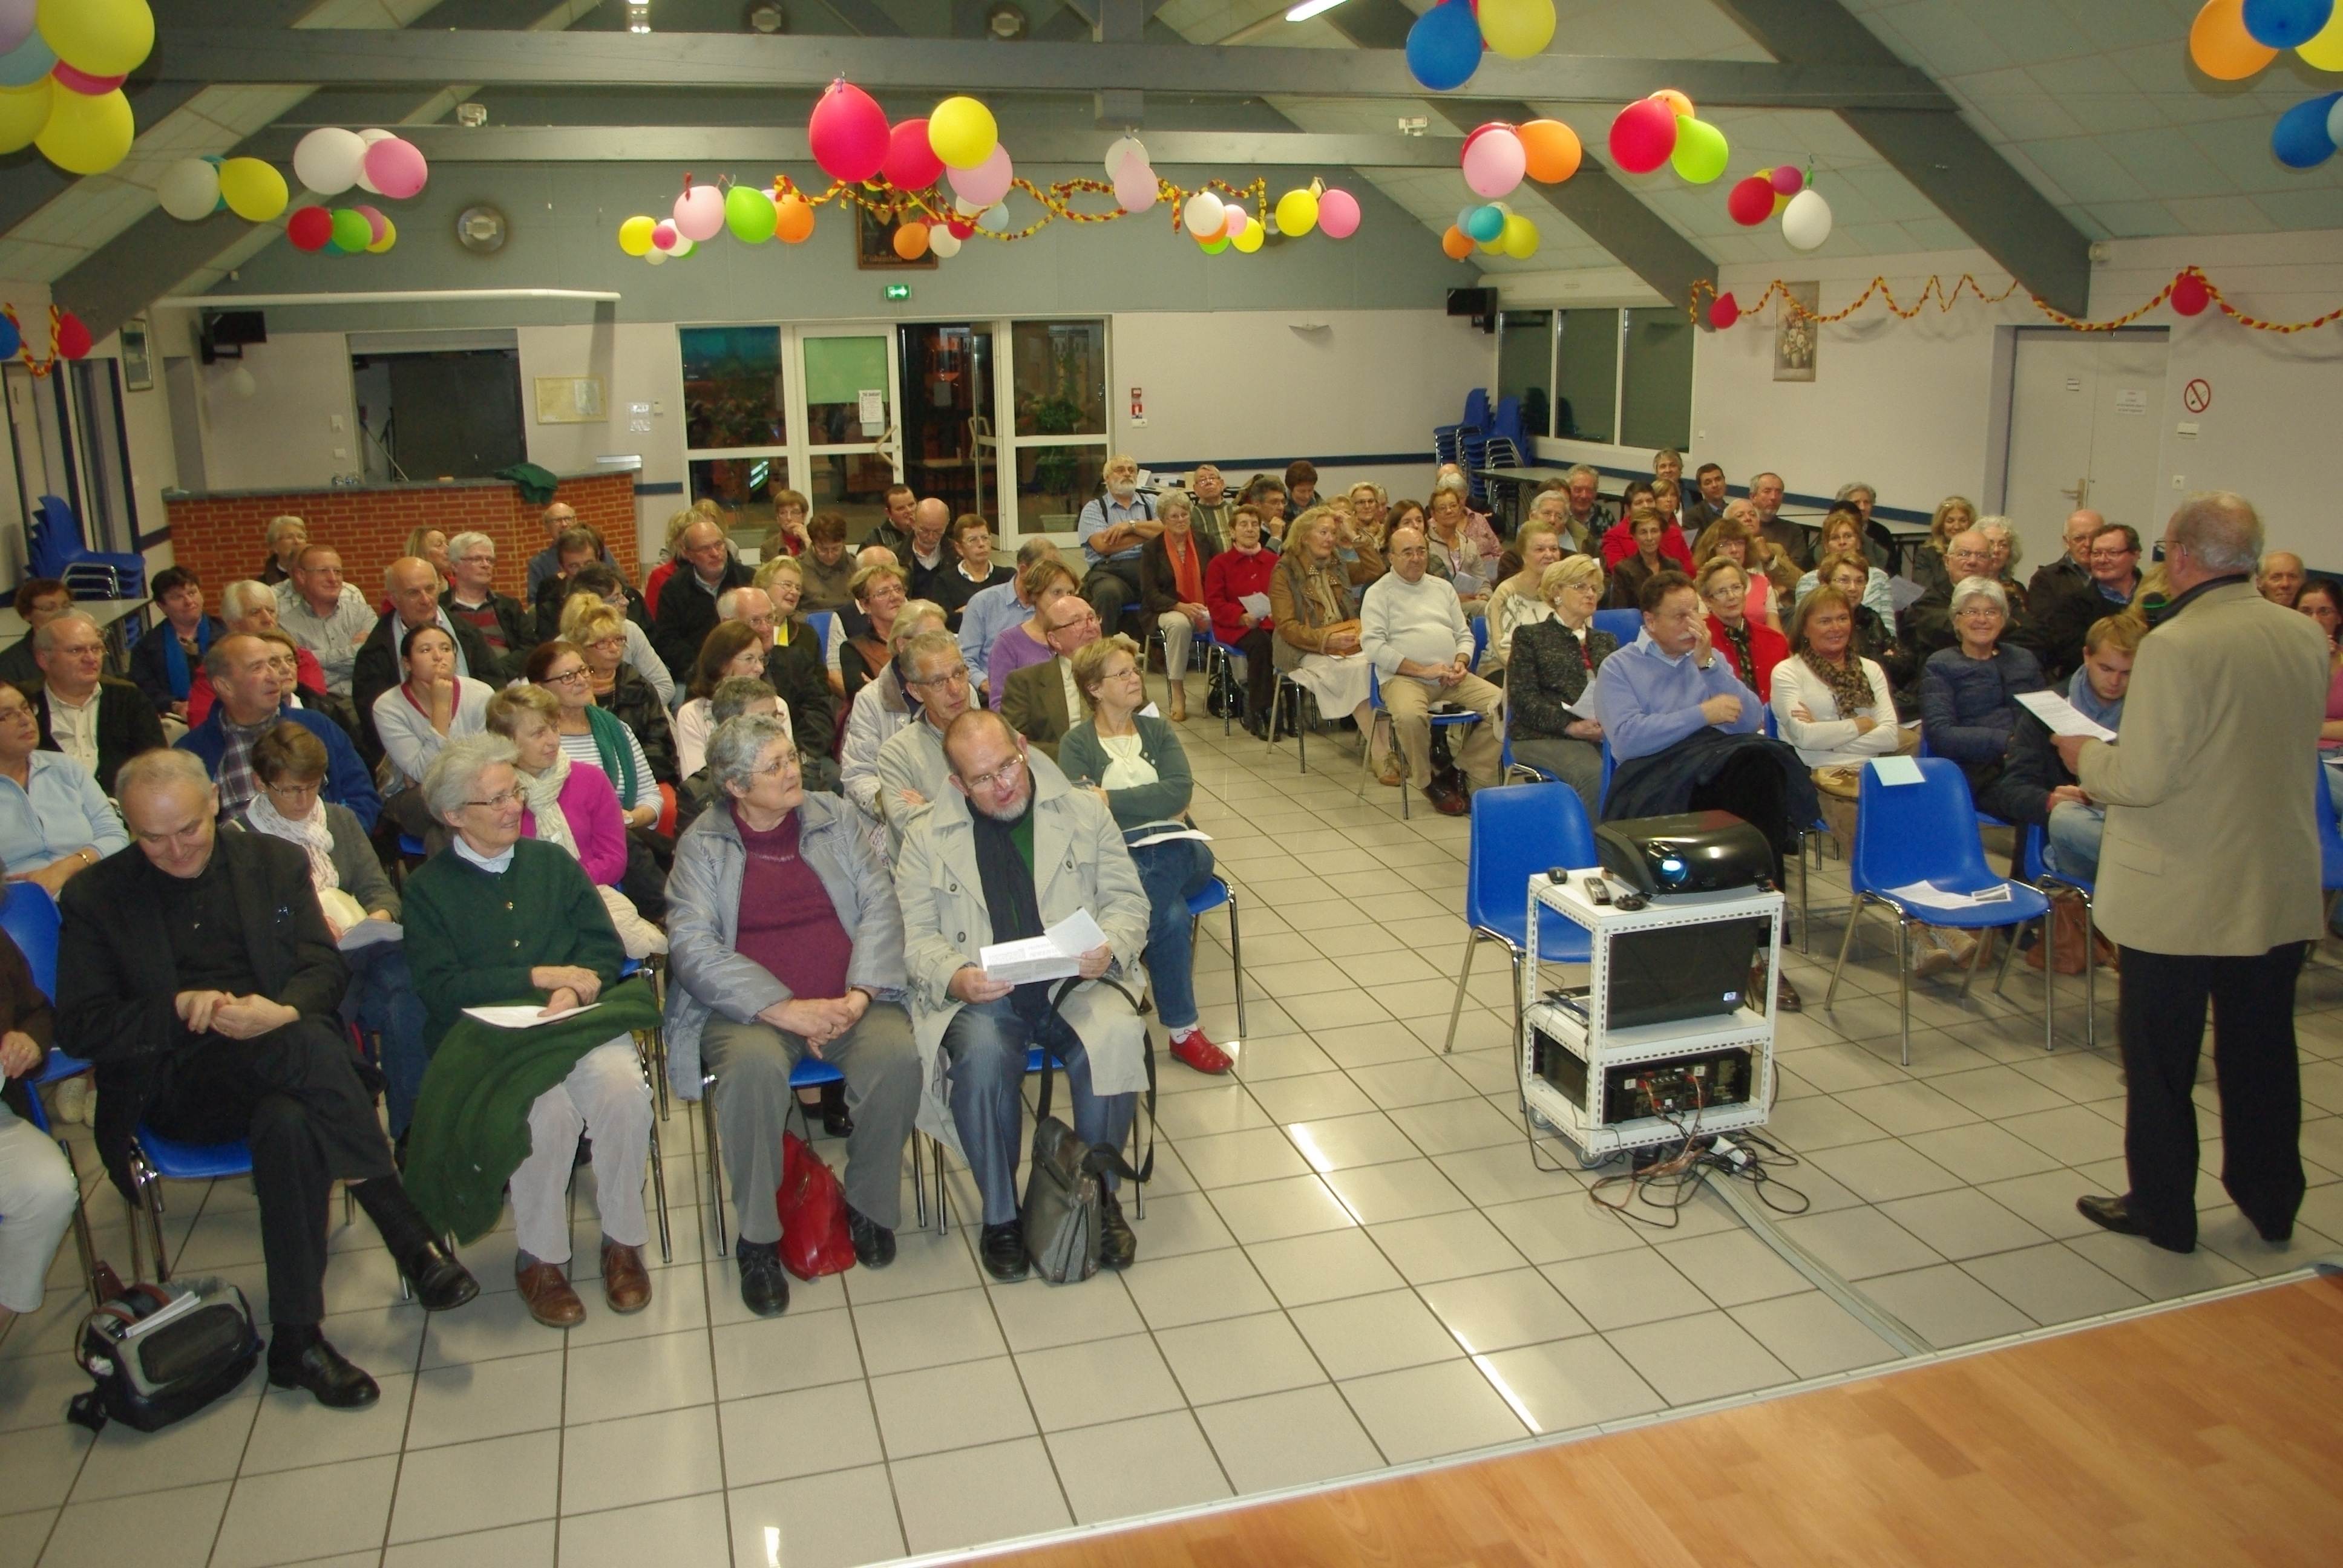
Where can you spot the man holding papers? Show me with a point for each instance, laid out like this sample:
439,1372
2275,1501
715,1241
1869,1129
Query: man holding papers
2208,876
1008,854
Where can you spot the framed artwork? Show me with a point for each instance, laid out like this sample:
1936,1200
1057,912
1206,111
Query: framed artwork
1796,336
570,401
874,246
137,356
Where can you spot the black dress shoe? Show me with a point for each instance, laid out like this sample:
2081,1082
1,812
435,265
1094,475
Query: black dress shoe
764,1283
1118,1244
874,1244
440,1284
2115,1214
1002,1248
326,1372
834,1119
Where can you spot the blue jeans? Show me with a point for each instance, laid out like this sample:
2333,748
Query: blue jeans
986,1044
1172,872
2071,845
381,1000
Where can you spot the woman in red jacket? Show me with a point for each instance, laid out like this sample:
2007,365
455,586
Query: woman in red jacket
1241,571
1751,646
1619,540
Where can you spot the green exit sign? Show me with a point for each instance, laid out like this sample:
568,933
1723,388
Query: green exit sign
899,291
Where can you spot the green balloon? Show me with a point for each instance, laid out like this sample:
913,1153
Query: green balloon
351,230
1701,151
1215,246
749,213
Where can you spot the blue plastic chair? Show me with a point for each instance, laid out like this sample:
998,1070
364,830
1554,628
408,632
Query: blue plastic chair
1479,639
1926,832
1517,834
30,918
55,547
2330,836
1626,624
1381,717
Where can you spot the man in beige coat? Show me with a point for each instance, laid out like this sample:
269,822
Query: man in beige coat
2210,876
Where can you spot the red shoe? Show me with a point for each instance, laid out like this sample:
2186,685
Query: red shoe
1199,1052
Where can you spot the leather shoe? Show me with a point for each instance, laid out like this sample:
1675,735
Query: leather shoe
439,1283
874,1244
545,1290
326,1372
835,1122
1002,1248
1196,1048
626,1285
2115,1214
1447,802
764,1284
1118,1244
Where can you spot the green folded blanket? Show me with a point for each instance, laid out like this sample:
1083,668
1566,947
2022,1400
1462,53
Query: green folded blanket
470,1130
535,483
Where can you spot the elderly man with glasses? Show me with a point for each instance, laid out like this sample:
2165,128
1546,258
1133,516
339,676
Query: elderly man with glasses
248,677
912,771
1928,624
504,623
98,721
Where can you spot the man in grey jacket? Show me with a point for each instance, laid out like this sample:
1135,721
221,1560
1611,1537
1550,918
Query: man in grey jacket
913,770
784,939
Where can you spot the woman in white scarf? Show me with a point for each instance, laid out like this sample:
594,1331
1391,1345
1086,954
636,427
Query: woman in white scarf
573,807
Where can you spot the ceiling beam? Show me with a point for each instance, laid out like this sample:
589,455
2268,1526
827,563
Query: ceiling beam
698,62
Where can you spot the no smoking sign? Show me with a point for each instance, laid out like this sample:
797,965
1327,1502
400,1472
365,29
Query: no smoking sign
2198,396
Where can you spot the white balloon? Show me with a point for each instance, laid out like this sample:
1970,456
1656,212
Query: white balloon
240,382
656,257
1135,186
1807,221
1204,214
996,218
329,160
942,242
967,209
1122,148
190,189
366,139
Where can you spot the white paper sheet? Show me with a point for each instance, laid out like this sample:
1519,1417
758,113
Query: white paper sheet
522,1015
367,932
1896,769
1055,954
1928,895
1165,835
1254,603
2062,716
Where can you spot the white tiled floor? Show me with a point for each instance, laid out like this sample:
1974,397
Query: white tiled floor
1348,1261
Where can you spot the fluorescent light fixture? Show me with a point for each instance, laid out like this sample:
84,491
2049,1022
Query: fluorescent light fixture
639,15
1309,8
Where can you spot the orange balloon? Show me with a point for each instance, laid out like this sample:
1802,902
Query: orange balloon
1676,101
1553,148
2221,45
912,241
1456,243
792,219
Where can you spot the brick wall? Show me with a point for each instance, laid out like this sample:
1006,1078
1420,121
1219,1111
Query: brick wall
223,538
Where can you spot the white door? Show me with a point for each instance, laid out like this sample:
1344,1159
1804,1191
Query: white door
852,435
2084,412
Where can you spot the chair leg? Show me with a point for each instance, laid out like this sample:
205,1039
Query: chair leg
1464,973
2050,988
151,1193
715,1164
919,1184
2090,976
1805,897
84,1247
1903,985
943,1208
1236,962
1977,957
1854,915
658,1194
1301,716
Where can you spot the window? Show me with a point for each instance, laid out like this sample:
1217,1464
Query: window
1622,376
1586,385
1057,378
455,412
733,387
1655,391
1525,365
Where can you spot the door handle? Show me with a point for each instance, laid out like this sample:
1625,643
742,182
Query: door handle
2082,488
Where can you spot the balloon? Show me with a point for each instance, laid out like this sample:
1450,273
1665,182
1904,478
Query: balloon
2189,294
911,164
2334,123
2325,52
1551,152
1642,136
1238,221
190,189
23,112
378,226
962,131
1494,164
1517,29
792,218
104,37
395,168
1701,153
73,336
2286,23
1443,47
1485,224
942,243
1724,312
988,182
748,213
683,248
1204,216
698,213
912,240
2221,45
90,135
2301,138
29,62
327,159
663,235
1338,215
311,228
1250,240
1676,101
1135,185
634,235
1122,147
847,133
389,237
1807,221
253,188
16,24
959,228
1521,238
655,257
1751,201
1786,181
351,231
995,218
65,76
1215,246
1455,244
367,138
1297,213
11,339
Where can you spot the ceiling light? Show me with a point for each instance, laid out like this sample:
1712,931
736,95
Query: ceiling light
1309,8
768,19
1005,21
639,15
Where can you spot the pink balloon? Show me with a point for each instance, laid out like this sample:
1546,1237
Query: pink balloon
911,165
663,235
376,225
82,82
847,133
15,23
988,182
699,213
1338,213
396,168
1642,136
1494,164
1135,185
1788,180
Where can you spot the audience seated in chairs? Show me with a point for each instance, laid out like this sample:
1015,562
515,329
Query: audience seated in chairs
414,591
1554,661
1751,646
1112,529
1413,629
199,975
1687,735
573,805
793,665
250,608
1243,571
1026,643
592,735
882,589
1135,763
911,770
430,707
967,879
1315,611
1171,571
1619,542
2322,601
1835,704
97,720
685,619
1927,624
598,633
163,663
1520,599
596,582
1842,536
881,708
54,821
38,1191
1039,700
248,678
496,918
504,623
1729,538
2116,582
732,698
789,941
732,647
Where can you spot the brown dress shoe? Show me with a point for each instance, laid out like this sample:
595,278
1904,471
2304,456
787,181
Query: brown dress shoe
625,1284
545,1289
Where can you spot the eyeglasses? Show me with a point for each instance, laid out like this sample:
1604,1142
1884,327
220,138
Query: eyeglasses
568,677
957,676
2114,555
1000,777
787,762
294,791
1978,612
608,642
512,796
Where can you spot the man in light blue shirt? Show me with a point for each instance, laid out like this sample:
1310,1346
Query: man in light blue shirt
1113,529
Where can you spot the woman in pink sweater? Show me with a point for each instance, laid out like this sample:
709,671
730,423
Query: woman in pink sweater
573,807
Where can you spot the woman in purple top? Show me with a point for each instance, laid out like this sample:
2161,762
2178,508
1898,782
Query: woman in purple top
1044,582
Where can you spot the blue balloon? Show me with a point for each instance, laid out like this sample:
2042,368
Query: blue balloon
1485,223
1444,48
28,63
2301,138
2286,23
9,339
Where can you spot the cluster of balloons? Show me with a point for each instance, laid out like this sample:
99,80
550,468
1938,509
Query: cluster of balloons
1497,157
1445,45
330,160
1662,129
752,214
1216,224
2232,39
347,230
1133,175
1495,229
195,188
70,339
1805,216
62,62
958,142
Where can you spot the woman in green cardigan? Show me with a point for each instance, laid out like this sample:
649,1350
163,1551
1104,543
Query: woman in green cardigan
1134,762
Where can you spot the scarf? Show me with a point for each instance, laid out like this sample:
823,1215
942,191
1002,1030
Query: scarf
1187,569
1322,600
610,745
1849,687
175,655
1004,868
544,793
1738,637
310,832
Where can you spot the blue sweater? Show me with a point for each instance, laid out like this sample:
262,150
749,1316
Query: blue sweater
347,781
1966,708
1648,702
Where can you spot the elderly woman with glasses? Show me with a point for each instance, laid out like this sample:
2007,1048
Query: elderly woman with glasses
1751,646
884,706
497,918
589,735
1554,664
54,821
732,647
1134,764
599,634
789,944
571,807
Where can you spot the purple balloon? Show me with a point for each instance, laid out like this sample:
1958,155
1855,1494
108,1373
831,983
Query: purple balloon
16,22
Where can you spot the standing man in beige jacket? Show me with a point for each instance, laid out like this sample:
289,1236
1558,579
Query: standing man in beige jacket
2209,877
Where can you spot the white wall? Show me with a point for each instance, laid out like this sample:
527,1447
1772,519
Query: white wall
639,362
283,434
153,466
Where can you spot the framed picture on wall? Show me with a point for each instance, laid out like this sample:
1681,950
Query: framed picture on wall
1796,334
570,401
137,356
874,246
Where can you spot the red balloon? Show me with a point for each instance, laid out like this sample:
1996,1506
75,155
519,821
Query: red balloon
73,337
959,228
1479,131
911,165
2189,294
83,82
1642,136
1787,180
309,228
847,133
1751,201
1724,312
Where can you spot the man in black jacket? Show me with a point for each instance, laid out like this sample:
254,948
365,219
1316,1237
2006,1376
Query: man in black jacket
196,969
92,717
705,569
504,623
413,586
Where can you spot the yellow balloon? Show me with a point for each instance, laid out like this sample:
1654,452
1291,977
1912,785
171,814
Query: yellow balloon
1520,239
389,237
253,189
1250,240
23,112
85,134
962,131
1517,29
2325,50
1297,214
104,37
635,235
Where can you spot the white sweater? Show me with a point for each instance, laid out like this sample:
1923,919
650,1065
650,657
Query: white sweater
1829,738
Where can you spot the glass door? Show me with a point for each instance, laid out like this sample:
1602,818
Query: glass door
852,435
949,450
736,423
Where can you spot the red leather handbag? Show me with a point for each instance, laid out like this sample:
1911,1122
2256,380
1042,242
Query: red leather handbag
814,1239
